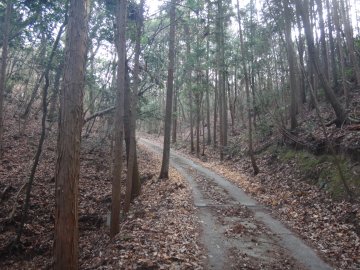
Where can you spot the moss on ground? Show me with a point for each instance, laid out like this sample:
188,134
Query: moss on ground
322,170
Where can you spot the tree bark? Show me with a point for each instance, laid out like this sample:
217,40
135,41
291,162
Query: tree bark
247,90
4,55
118,117
332,45
68,153
175,117
350,39
189,86
132,179
164,173
341,52
292,64
303,7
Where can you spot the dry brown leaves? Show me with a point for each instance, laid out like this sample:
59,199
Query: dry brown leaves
329,226
160,232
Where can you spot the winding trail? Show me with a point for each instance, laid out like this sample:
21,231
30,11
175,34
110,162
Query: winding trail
237,231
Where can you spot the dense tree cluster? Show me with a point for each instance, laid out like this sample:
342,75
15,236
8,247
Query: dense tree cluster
194,69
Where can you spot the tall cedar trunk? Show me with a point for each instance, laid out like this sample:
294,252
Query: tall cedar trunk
314,57
118,117
164,173
247,90
175,117
132,178
127,120
216,102
340,50
292,62
70,124
198,105
301,50
188,85
324,54
208,142
4,55
332,45
350,39
222,79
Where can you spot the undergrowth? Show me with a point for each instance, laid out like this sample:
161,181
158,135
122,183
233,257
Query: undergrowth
321,170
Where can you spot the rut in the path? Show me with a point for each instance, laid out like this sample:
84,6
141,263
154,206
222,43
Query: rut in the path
238,232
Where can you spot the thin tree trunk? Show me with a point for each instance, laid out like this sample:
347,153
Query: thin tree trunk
198,105
4,55
247,90
301,50
132,179
36,159
341,52
332,46
118,117
189,86
292,62
324,54
329,93
216,102
350,40
68,158
164,173
55,93
208,81
175,117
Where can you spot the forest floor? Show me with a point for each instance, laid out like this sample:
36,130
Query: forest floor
331,226
239,233
161,230
165,229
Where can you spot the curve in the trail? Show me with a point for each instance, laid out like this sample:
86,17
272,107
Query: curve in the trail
301,252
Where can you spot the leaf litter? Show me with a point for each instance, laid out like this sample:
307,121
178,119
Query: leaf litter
160,232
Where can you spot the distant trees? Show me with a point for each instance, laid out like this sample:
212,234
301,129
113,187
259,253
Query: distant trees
248,69
288,46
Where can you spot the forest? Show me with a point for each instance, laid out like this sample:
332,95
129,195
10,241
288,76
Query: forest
180,134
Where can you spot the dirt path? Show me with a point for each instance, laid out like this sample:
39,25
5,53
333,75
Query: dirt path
238,232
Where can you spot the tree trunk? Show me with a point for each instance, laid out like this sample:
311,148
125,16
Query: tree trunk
222,78
132,179
247,90
324,54
4,55
292,64
301,50
341,52
198,105
189,86
216,102
53,110
208,81
350,40
164,173
175,117
68,156
118,117
329,93
332,46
